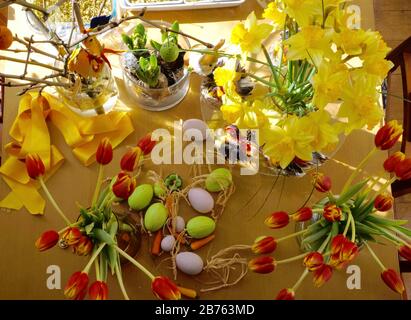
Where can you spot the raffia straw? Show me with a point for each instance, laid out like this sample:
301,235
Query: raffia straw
221,268
175,251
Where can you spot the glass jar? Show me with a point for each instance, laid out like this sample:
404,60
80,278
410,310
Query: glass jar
91,96
154,99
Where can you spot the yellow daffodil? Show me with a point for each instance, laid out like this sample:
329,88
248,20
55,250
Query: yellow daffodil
224,76
276,14
328,83
284,143
303,11
361,105
374,46
379,68
250,34
312,43
350,41
318,125
244,114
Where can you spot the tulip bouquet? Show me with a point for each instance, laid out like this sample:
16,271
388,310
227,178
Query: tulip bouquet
318,60
96,230
342,224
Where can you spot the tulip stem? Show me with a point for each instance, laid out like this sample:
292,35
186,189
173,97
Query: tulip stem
401,233
53,202
375,256
97,267
98,184
386,185
294,234
93,257
352,228
347,224
357,170
121,283
392,235
301,256
136,263
299,281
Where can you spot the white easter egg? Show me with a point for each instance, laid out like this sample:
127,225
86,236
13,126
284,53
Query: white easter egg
189,263
180,224
201,200
167,243
195,130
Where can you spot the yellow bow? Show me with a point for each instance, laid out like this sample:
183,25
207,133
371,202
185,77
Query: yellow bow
31,135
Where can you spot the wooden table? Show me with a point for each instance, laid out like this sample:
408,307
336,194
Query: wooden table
23,270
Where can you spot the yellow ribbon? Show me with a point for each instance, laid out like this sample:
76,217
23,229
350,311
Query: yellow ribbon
31,135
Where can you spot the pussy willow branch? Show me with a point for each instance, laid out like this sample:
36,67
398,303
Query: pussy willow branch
33,48
33,80
115,24
24,4
32,62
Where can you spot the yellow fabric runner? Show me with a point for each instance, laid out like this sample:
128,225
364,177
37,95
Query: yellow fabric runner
31,135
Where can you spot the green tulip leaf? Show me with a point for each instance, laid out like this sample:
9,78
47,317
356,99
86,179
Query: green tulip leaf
351,192
103,236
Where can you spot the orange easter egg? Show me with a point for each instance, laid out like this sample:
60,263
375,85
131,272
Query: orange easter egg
6,37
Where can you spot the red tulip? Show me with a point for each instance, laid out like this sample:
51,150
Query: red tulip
47,240
405,252
98,291
277,220
131,159
313,261
392,161
124,185
343,251
393,280
383,202
388,135
104,153
303,214
286,294
146,144
76,287
403,169
264,245
321,182
322,275
35,166
165,289
262,265
332,212
84,246
71,236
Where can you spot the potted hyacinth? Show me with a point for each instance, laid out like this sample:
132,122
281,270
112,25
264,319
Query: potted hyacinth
344,223
98,231
316,83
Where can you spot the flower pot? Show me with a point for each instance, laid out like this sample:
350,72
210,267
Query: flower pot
210,107
93,96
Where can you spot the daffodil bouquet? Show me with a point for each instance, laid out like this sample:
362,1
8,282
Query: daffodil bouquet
317,83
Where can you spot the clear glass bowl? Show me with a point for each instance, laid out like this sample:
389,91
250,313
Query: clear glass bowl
93,96
155,99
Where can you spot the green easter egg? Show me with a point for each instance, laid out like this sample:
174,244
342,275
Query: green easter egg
156,216
219,179
200,227
141,197
169,52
